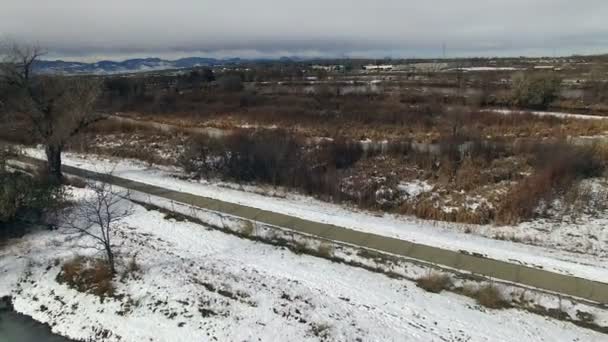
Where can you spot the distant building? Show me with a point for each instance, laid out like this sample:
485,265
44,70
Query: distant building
328,67
378,67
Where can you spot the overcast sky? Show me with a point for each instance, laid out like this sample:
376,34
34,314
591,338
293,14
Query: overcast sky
99,29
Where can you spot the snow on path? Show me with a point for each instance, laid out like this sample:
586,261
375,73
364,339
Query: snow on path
423,232
561,115
267,294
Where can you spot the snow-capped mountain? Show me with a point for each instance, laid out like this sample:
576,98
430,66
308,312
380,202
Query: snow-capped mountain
127,66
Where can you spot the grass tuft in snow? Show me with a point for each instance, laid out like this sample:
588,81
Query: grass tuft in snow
87,275
490,297
325,250
434,282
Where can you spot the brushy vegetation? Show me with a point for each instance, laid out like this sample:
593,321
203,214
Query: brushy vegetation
490,297
26,198
325,250
434,282
330,170
440,138
557,168
535,90
88,275
275,157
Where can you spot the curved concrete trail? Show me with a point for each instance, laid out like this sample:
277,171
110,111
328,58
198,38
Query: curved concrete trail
550,281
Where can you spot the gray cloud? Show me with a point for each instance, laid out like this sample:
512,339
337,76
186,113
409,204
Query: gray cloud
400,28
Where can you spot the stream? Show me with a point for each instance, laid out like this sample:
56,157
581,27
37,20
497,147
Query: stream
15,327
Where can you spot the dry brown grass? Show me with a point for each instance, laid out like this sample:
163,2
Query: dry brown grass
558,167
426,209
248,229
325,250
87,275
490,297
434,282
378,116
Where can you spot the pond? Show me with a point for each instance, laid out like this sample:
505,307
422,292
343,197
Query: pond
15,327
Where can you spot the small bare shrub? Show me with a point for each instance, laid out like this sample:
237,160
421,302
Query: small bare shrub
248,229
325,250
491,297
87,275
434,282
299,247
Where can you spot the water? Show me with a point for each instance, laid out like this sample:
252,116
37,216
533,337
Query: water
15,327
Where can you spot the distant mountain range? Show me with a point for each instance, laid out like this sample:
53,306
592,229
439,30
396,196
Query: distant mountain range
128,66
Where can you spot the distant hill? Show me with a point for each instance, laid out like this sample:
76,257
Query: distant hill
127,66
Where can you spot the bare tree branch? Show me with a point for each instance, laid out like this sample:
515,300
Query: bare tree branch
98,216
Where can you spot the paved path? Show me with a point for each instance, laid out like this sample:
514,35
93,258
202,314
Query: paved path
510,272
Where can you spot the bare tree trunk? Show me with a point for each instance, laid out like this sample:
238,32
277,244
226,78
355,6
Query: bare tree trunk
110,256
53,156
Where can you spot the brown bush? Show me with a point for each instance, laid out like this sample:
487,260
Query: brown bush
325,250
491,297
114,126
434,282
558,167
87,275
275,157
426,209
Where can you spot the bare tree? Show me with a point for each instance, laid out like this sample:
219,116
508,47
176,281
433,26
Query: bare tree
57,107
98,216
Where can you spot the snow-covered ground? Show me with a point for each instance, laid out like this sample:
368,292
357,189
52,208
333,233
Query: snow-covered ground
561,115
487,68
198,284
554,255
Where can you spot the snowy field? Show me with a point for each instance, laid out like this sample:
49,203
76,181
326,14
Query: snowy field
198,284
563,248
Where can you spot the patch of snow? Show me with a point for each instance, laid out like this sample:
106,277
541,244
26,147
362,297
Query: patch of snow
488,69
414,188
